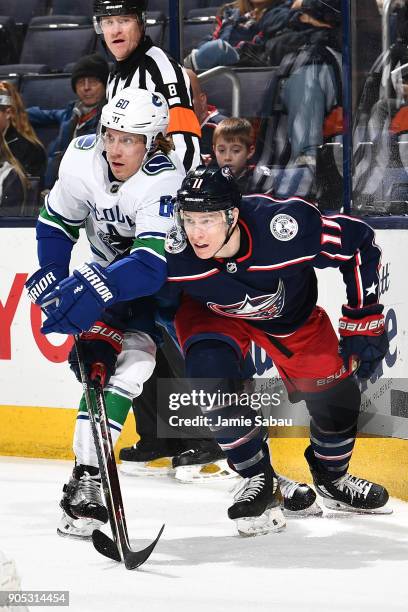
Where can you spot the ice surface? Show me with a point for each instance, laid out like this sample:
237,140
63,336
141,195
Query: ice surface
330,564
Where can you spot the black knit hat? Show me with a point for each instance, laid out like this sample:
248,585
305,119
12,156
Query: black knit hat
90,66
328,11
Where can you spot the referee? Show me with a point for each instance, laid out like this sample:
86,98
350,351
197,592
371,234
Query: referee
141,64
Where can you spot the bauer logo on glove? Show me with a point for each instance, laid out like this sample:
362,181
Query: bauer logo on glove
363,339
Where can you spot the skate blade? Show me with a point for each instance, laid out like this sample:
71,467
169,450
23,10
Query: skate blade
336,505
79,529
313,510
156,467
219,470
271,521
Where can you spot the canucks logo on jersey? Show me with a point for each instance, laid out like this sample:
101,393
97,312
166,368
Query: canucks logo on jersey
84,143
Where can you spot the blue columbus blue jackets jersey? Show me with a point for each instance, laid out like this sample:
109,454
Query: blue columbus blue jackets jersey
271,283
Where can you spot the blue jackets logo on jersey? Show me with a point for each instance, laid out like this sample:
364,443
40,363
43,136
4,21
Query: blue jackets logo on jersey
261,307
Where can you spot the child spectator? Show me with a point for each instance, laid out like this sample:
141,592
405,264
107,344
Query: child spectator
13,182
80,117
18,132
233,144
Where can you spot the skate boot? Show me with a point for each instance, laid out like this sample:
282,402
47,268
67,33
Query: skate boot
257,507
298,498
145,458
82,504
347,492
204,461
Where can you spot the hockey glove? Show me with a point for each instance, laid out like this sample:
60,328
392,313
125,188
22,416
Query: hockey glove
77,301
363,338
43,281
100,344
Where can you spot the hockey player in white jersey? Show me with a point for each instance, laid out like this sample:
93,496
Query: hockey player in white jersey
118,186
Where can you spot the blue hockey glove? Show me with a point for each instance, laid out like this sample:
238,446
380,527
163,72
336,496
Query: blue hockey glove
363,338
43,281
77,301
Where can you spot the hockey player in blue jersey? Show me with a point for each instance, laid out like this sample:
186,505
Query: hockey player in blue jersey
246,270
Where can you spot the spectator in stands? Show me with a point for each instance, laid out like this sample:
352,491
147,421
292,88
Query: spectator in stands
307,85
13,182
80,117
208,116
239,22
233,143
18,132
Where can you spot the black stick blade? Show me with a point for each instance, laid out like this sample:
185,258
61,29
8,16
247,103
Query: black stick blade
105,545
134,559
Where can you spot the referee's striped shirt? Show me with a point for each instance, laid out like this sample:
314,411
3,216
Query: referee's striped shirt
149,67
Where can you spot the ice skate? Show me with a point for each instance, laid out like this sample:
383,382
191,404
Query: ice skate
257,507
347,493
298,498
145,459
203,463
82,504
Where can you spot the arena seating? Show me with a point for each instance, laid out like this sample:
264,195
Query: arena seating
22,12
57,45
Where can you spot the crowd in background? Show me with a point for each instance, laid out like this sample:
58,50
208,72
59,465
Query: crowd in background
299,129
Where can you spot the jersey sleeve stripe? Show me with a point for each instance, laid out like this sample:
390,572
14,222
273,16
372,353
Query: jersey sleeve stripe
325,238
359,284
177,279
336,256
155,57
329,223
151,235
152,245
69,232
183,120
283,264
148,250
53,213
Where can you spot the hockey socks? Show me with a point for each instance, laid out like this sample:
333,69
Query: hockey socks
117,410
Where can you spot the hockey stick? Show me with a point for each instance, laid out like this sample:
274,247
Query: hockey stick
118,548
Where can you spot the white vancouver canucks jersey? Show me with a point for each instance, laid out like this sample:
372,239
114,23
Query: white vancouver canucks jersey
117,215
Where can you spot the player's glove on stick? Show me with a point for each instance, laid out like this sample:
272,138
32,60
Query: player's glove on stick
363,338
101,344
43,281
77,301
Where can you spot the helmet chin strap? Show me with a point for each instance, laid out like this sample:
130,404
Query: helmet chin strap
229,233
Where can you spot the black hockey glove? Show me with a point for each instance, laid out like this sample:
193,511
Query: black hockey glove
100,344
363,338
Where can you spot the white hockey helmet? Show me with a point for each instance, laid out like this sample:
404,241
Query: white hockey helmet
137,111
